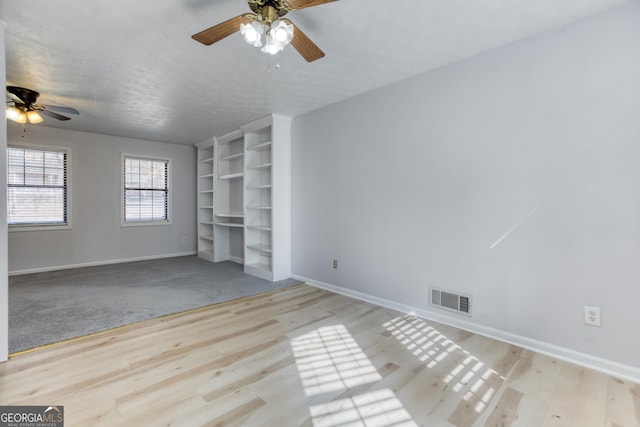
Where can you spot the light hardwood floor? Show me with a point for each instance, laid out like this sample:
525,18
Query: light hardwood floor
304,356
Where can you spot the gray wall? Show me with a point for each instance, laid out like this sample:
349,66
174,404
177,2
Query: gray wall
513,176
4,291
96,235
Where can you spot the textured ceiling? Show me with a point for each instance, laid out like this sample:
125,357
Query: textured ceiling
132,69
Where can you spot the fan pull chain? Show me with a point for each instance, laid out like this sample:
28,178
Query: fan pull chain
275,66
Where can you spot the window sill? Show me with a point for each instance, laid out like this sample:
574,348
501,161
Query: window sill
15,228
144,223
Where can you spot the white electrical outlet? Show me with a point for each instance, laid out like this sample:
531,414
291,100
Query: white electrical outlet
591,315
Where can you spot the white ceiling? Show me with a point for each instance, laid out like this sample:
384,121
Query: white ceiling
132,69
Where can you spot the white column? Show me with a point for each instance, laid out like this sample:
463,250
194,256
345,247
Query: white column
4,274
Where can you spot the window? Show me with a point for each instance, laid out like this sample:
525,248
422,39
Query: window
145,197
37,187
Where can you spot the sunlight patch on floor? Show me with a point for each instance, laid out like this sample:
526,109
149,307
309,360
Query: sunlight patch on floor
470,377
380,408
329,361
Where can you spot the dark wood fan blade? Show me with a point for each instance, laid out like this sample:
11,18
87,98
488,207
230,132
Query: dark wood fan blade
54,115
301,4
67,110
304,45
220,31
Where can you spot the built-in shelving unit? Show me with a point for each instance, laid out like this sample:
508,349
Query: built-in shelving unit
247,219
232,175
206,187
267,207
229,211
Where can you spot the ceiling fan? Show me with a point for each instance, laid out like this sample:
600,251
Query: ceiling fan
266,28
22,106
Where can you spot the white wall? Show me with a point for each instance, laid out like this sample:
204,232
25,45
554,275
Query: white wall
418,184
96,235
4,288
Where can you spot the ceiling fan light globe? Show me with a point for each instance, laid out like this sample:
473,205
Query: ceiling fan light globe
252,33
15,114
34,117
270,49
272,46
282,32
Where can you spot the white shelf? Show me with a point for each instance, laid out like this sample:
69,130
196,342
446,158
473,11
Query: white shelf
232,175
266,249
206,191
206,207
259,147
259,207
206,222
259,187
260,266
231,137
230,224
258,167
207,160
233,156
205,254
209,175
206,237
259,227
230,214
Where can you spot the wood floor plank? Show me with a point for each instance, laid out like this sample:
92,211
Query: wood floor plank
182,349
236,414
248,379
505,411
206,369
623,403
303,356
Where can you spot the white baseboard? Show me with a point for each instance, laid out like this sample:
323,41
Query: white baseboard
95,263
236,259
609,367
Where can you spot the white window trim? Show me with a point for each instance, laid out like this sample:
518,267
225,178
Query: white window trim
169,219
46,227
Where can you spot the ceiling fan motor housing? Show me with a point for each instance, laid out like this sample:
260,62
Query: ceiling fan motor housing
28,96
281,7
269,14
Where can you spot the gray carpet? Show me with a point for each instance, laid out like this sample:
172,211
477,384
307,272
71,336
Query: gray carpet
49,307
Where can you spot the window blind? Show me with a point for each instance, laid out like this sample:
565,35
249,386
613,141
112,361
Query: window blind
146,190
36,186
